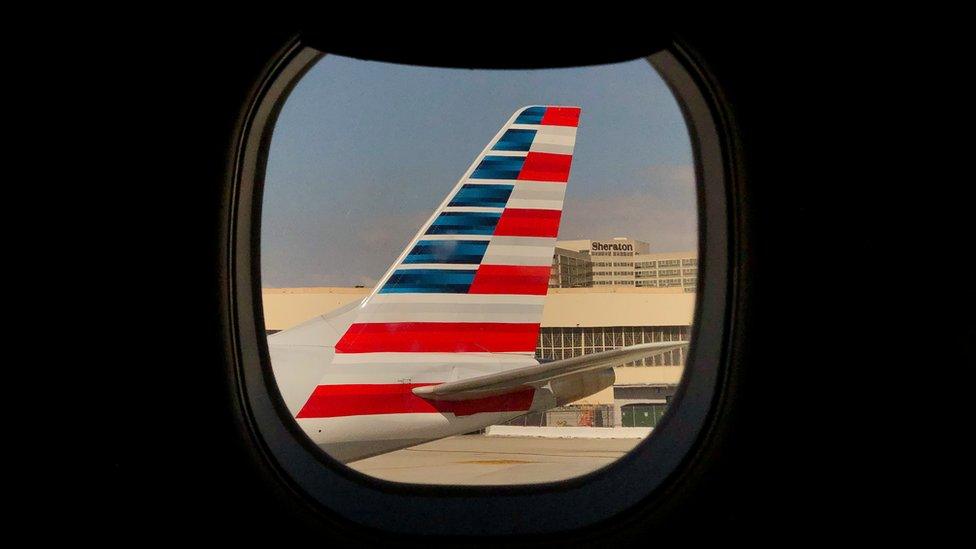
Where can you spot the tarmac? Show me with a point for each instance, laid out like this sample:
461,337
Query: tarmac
494,460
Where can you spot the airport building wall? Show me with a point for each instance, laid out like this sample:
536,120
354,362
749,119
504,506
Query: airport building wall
575,321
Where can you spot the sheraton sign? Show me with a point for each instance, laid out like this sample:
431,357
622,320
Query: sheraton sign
615,246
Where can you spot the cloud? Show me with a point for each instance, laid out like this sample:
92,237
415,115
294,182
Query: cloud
661,211
374,247
357,250
673,176
388,234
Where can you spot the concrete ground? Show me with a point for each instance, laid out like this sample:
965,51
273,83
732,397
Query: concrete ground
480,460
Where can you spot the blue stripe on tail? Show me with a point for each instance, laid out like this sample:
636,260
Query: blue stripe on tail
448,251
428,281
499,167
464,223
515,140
531,115
485,196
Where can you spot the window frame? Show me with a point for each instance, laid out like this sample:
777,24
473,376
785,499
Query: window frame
638,477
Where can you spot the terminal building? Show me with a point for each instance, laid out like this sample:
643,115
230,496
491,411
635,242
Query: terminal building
621,262
576,320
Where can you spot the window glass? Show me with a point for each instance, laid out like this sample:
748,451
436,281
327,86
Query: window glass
423,228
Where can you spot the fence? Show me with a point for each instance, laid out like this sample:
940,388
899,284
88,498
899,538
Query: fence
580,415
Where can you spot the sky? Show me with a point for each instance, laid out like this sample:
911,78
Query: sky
363,152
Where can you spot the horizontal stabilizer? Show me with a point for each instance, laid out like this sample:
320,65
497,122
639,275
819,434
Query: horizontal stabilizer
535,376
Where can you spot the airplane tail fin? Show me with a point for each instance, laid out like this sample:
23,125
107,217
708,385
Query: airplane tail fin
474,277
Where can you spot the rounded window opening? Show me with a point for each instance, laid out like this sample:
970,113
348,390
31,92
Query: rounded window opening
479,277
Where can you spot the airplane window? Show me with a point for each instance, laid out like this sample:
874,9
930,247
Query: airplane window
475,277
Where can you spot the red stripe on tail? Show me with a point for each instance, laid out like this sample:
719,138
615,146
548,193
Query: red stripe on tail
439,337
540,166
526,222
510,279
561,116
398,398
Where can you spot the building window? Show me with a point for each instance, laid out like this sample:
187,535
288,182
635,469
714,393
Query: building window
556,343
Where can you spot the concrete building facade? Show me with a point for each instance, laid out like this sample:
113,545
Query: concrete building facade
570,270
622,261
